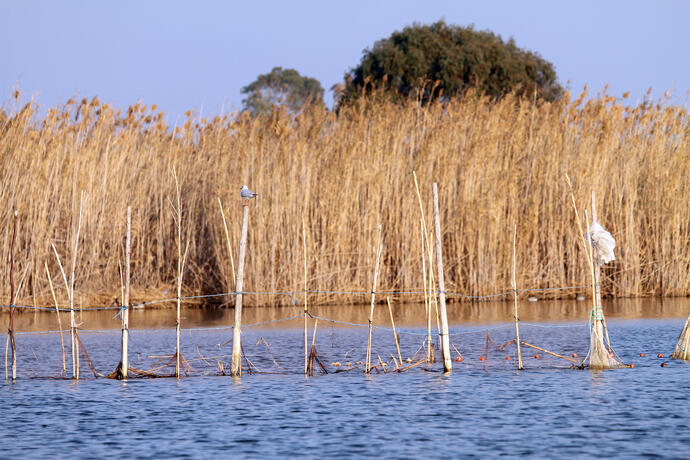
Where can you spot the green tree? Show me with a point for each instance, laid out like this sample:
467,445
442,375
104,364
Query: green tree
445,60
281,87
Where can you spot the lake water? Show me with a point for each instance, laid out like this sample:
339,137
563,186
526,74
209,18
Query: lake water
483,408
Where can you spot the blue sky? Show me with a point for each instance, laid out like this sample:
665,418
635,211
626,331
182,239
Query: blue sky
198,55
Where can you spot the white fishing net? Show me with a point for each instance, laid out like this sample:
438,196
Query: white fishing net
603,244
601,355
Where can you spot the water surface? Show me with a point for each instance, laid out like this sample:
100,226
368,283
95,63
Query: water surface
483,408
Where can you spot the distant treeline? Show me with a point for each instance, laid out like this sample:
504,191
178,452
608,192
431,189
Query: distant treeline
498,163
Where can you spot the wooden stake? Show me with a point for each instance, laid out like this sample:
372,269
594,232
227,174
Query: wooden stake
236,370
124,358
395,335
515,298
445,348
57,311
10,329
367,365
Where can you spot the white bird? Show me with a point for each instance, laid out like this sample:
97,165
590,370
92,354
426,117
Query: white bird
247,194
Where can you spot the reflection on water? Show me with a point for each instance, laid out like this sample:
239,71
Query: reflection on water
406,315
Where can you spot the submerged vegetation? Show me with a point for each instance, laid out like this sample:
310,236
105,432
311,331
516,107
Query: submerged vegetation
498,163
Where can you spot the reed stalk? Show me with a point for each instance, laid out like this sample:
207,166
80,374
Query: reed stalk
427,306
64,278
498,160
57,313
227,239
395,335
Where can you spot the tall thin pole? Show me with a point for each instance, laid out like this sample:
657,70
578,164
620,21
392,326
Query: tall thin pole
181,259
445,348
73,327
239,285
515,298
602,329
597,273
124,359
11,325
306,297
367,365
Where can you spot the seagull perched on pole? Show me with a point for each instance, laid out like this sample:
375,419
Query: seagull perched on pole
247,194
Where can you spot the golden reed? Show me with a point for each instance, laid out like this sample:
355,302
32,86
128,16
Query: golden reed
497,164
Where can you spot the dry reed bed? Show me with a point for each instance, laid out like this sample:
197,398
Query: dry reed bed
497,163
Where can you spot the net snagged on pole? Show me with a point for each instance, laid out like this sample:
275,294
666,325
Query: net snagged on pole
600,252
682,350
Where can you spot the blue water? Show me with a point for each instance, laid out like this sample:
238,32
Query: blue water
481,409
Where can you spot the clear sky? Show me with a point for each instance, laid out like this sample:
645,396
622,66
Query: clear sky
199,54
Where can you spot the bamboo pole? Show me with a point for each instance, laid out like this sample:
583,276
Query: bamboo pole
236,370
597,271
57,311
10,329
597,280
75,350
589,254
124,358
445,341
367,365
306,296
550,352
395,335
181,259
515,298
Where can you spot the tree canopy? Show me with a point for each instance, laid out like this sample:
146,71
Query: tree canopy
444,60
281,87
